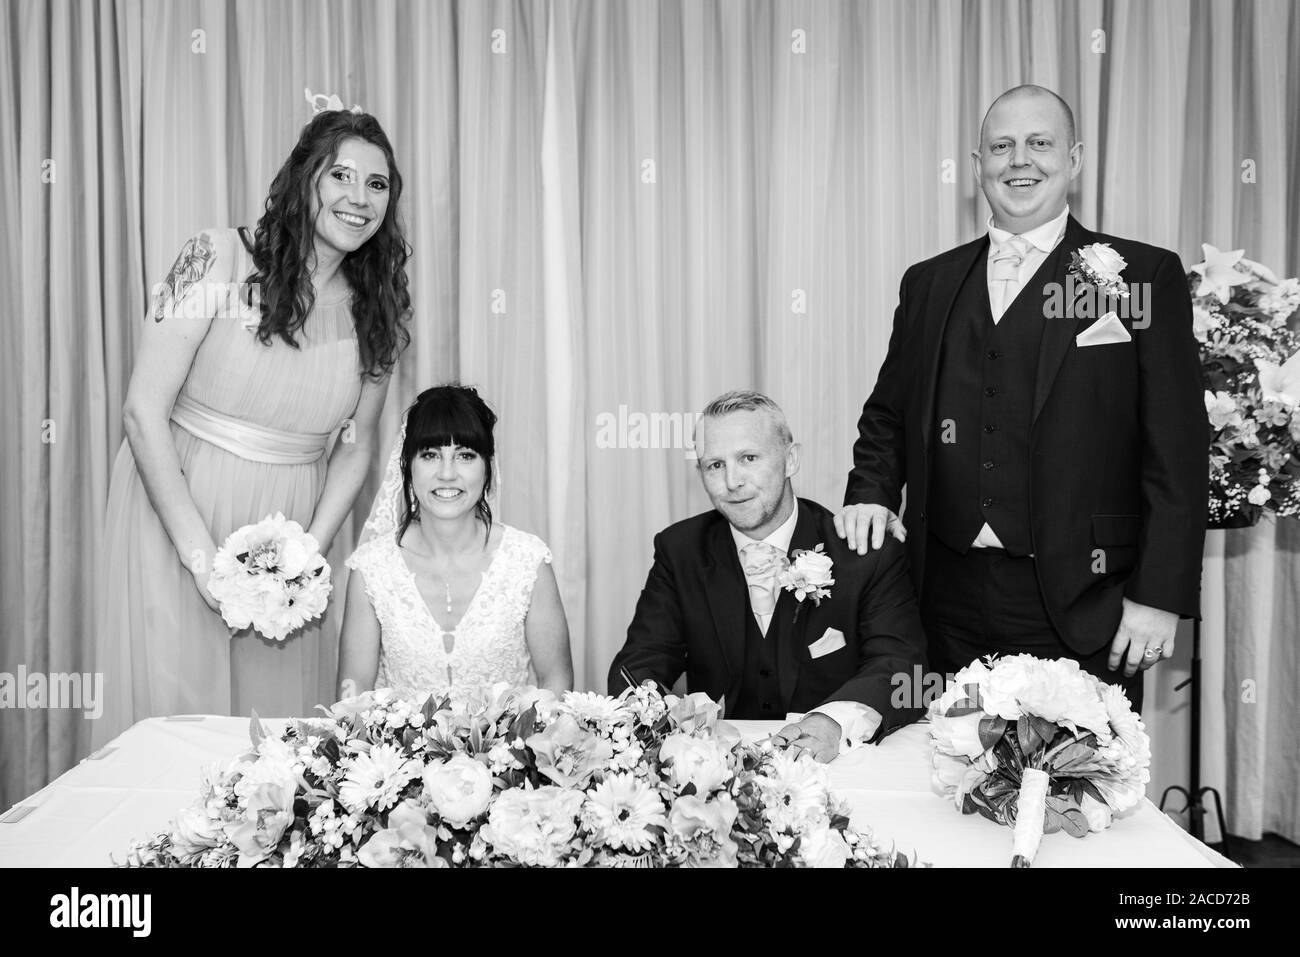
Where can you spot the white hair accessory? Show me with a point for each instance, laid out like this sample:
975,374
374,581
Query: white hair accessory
321,102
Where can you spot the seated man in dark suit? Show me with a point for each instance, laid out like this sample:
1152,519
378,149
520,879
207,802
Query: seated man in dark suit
723,599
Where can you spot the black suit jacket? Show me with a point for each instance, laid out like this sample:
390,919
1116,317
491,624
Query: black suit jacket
1117,443
692,617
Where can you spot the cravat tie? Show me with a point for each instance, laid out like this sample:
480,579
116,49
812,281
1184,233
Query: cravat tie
762,562
1006,260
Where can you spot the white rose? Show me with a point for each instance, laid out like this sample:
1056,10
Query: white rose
1258,495
947,774
195,832
698,761
1061,692
815,566
459,789
1002,690
959,735
293,558
1103,260
533,827
973,674
824,847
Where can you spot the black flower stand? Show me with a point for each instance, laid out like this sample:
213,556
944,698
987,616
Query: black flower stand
1194,794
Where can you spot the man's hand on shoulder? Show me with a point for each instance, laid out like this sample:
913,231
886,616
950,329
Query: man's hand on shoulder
864,527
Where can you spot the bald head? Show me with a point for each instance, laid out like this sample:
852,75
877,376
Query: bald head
1027,158
1026,90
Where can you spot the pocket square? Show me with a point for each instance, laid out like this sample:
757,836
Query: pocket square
1104,331
833,640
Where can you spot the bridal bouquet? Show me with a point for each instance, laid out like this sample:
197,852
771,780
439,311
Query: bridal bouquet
1250,361
271,576
1039,745
513,777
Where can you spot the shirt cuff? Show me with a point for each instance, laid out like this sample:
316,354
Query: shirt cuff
857,721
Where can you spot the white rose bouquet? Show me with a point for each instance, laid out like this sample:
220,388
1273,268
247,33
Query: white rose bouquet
512,777
1039,745
1243,316
270,576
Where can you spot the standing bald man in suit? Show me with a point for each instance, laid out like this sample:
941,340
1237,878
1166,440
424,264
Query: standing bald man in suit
1054,455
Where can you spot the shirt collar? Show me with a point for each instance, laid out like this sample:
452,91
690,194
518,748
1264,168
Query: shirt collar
780,537
1044,237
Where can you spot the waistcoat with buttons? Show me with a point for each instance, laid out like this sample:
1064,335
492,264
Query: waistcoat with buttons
983,410
760,692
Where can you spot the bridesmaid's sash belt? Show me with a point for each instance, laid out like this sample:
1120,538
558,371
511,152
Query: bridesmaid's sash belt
257,443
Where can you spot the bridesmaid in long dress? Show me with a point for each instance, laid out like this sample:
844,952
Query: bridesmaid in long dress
260,350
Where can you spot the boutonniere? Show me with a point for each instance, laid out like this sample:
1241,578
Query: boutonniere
809,574
1099,265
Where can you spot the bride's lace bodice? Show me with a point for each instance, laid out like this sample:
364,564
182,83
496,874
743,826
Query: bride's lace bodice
489,641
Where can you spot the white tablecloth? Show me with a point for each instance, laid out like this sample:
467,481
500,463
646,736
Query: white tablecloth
88,816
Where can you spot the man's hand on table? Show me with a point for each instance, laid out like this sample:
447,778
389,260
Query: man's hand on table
817,734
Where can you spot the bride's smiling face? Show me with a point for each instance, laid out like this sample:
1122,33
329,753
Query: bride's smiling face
448,481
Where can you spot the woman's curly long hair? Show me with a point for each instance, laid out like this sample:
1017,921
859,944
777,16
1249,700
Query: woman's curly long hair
284,248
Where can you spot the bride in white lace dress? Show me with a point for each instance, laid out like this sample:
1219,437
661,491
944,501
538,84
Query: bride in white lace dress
441,597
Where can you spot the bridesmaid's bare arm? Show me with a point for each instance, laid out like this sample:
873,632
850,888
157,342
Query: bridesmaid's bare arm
354,454
547,632
359,641
178,322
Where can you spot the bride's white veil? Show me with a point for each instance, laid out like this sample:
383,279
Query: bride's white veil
386,510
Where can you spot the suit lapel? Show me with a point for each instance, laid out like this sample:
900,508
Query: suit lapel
790,620
728,595
1058,333
947,282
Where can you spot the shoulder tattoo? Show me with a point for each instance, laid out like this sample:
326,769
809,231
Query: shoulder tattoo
193,263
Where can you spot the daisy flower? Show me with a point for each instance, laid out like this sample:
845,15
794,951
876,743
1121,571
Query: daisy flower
595,709
377,779
794,791
623,810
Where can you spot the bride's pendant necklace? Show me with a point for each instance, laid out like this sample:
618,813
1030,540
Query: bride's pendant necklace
448,638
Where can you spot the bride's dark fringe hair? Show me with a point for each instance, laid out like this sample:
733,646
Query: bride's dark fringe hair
448,415
284,243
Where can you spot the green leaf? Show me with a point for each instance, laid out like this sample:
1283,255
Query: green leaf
524,725
1089,788
1027,737
1046,730
991,730
1071,754
1071,820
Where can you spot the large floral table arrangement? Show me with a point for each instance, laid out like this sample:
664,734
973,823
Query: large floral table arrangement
1243,318
514,777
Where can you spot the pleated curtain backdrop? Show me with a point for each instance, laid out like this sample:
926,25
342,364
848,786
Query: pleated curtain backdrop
618,210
